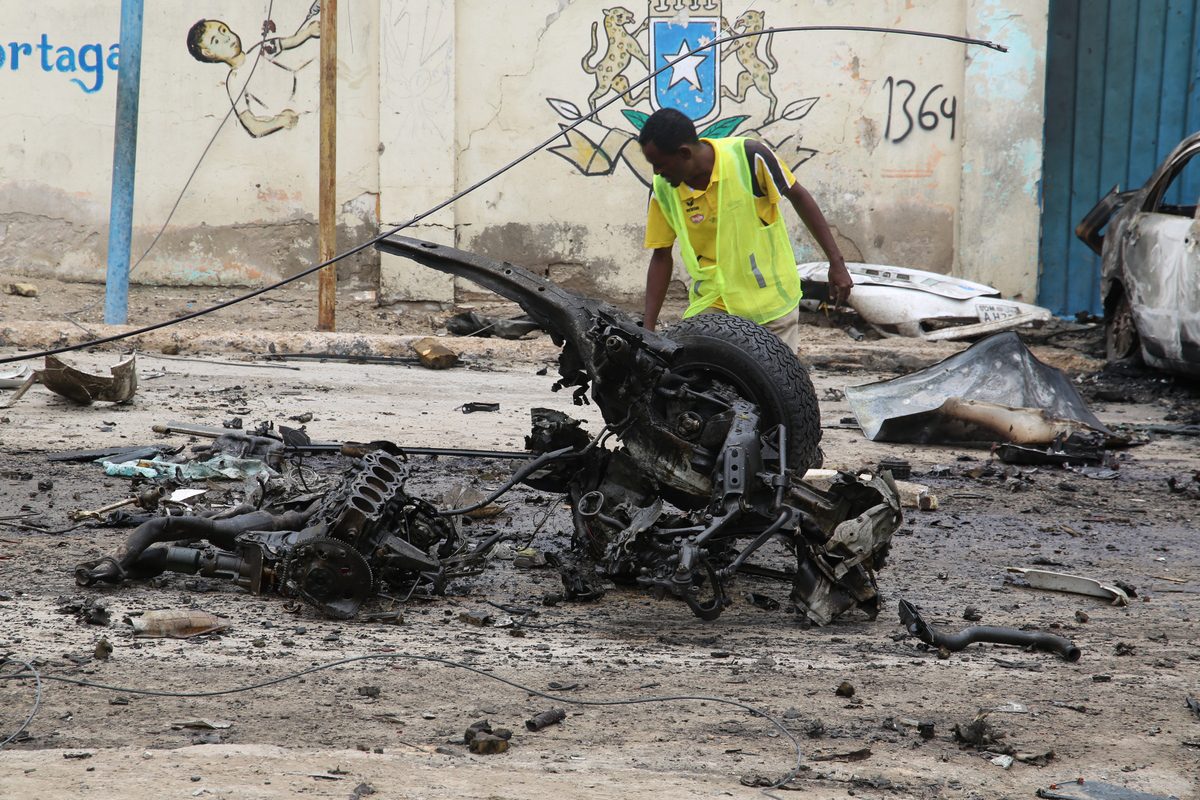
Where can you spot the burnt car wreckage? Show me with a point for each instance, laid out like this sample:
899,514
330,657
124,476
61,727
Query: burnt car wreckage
1150,266
717,423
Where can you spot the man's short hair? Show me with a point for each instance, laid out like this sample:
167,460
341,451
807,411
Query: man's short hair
669,129
194,35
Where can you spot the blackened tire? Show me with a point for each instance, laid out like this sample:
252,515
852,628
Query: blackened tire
763,370
1121,339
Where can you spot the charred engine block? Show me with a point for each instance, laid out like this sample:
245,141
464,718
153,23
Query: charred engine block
362,536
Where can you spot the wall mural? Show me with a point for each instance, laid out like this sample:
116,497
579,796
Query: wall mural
89,59
262,81
674,29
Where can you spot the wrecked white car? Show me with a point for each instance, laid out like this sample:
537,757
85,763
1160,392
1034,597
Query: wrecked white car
898,301
1150,282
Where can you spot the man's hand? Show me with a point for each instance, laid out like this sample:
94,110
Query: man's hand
840,282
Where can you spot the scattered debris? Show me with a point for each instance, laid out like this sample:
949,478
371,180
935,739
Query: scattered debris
1075,584
545,719
472,323
176,624
202,724
953,642
434,354
21,289
471,408
103,649
15,377
1004,761
482,739
84,387
980,734
861,754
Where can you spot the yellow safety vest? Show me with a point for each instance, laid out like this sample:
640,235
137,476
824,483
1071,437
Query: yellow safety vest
755,271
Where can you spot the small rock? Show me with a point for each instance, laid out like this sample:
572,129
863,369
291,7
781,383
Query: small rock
22,289
486,744
844,689
1004,762
103,649
369,691
972,614
926,729
1081,616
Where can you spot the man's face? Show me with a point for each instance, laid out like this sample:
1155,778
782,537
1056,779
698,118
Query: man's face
674,167
219,42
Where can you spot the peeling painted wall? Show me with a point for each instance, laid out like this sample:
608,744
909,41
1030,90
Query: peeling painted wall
922,153
249,213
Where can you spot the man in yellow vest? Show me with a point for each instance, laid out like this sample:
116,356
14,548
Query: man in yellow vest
720,199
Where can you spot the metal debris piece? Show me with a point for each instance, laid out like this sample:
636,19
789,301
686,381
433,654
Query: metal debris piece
545,719
15,377
85,387
953,642
176,624
471,408
898,301
1075,584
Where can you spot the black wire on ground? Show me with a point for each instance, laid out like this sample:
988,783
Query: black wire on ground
434,660
529,153
37,699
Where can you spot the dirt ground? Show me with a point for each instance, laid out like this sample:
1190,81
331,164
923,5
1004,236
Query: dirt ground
1117,717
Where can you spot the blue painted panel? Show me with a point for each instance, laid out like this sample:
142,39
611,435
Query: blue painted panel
1189,183
1056,175
1122,89
1086,189
1147,92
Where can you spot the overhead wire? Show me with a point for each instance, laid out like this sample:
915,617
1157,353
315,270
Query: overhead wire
564,129
787,778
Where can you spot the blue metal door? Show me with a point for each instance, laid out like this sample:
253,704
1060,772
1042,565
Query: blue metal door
1121,92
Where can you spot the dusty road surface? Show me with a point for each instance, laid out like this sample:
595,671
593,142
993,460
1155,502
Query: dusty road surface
392,726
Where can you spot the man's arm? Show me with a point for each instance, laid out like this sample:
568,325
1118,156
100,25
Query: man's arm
310,30
658,278
258,126
840,282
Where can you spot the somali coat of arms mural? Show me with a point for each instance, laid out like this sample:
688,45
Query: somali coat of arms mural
695,84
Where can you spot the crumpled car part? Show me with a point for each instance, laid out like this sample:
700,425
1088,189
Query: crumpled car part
995,390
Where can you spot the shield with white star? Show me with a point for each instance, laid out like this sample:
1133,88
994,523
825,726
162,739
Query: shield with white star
692,84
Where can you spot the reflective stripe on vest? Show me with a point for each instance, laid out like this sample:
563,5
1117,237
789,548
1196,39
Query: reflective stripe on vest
755,273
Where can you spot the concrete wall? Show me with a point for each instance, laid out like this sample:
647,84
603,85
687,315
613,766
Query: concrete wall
435,95
248,215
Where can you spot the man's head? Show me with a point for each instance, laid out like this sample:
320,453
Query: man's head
212,42
670,144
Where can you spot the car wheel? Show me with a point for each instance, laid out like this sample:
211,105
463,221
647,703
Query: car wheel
763,370
1121,340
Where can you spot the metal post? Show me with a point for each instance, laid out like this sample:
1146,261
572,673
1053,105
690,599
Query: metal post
327,205
120,215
